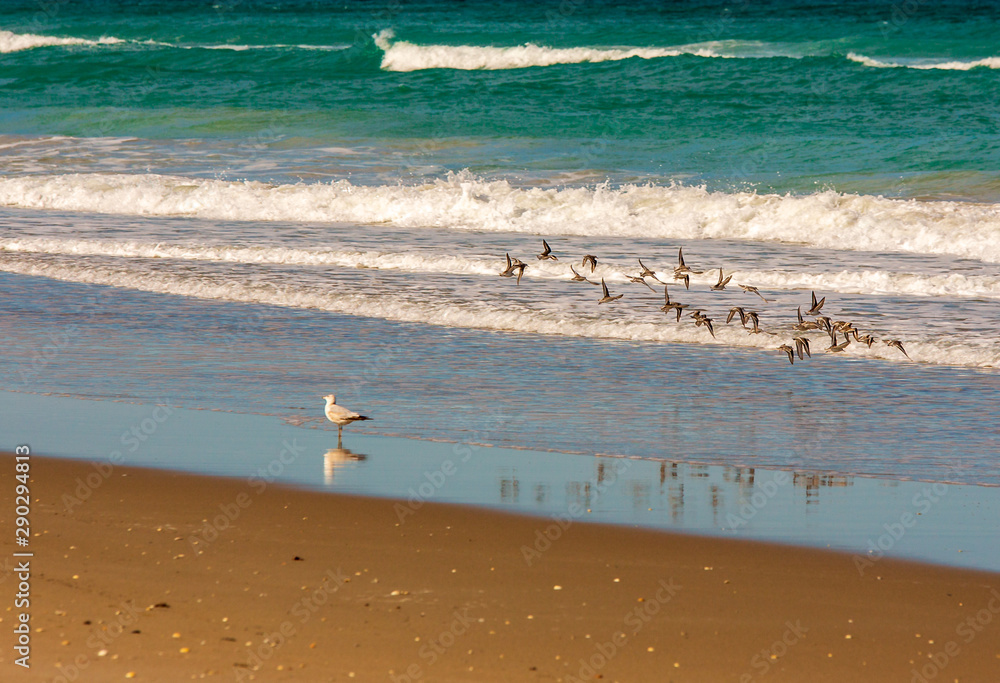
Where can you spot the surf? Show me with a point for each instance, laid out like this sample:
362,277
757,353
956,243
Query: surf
866,281
461,201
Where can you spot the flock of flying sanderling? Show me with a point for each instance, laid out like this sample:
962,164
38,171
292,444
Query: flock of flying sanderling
749,319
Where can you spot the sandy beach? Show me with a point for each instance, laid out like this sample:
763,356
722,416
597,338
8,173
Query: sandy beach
161,576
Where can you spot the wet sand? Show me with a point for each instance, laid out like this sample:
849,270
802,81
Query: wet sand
160,576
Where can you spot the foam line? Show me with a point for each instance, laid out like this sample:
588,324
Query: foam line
451,312
826,219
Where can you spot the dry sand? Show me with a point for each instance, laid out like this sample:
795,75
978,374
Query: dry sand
305,586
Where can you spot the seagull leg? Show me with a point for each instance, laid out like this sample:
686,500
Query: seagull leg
340,433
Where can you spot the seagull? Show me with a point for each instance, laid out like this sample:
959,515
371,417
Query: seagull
721,284
577,277
896,344
668,305
700,319
679,308
546,253
607,295
755,321
509,270
789,352
737,310
340,415
592,260
801,344
835,347
519,267
804,325
681,266
847,328
816,305
640,281
646,272
753,290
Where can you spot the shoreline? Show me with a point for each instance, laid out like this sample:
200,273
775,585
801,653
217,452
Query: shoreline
206,569
956,526
320,424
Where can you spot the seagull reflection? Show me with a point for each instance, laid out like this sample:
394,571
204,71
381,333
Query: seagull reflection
336,458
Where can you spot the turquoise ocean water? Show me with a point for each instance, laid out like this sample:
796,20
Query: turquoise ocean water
247,205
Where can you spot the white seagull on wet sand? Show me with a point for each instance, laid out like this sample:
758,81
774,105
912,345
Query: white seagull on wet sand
340,415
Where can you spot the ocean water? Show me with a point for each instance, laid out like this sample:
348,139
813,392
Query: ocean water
244,206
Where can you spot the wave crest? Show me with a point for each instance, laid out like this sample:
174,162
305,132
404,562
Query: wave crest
828,220
405,56
844,281
15,42
955,65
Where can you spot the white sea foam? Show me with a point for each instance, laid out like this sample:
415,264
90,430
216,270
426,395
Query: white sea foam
448,311
827,219
869,282
244,48
878,283
954,65
405,56
15,42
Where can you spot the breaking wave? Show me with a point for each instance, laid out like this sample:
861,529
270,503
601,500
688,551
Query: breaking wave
828,219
